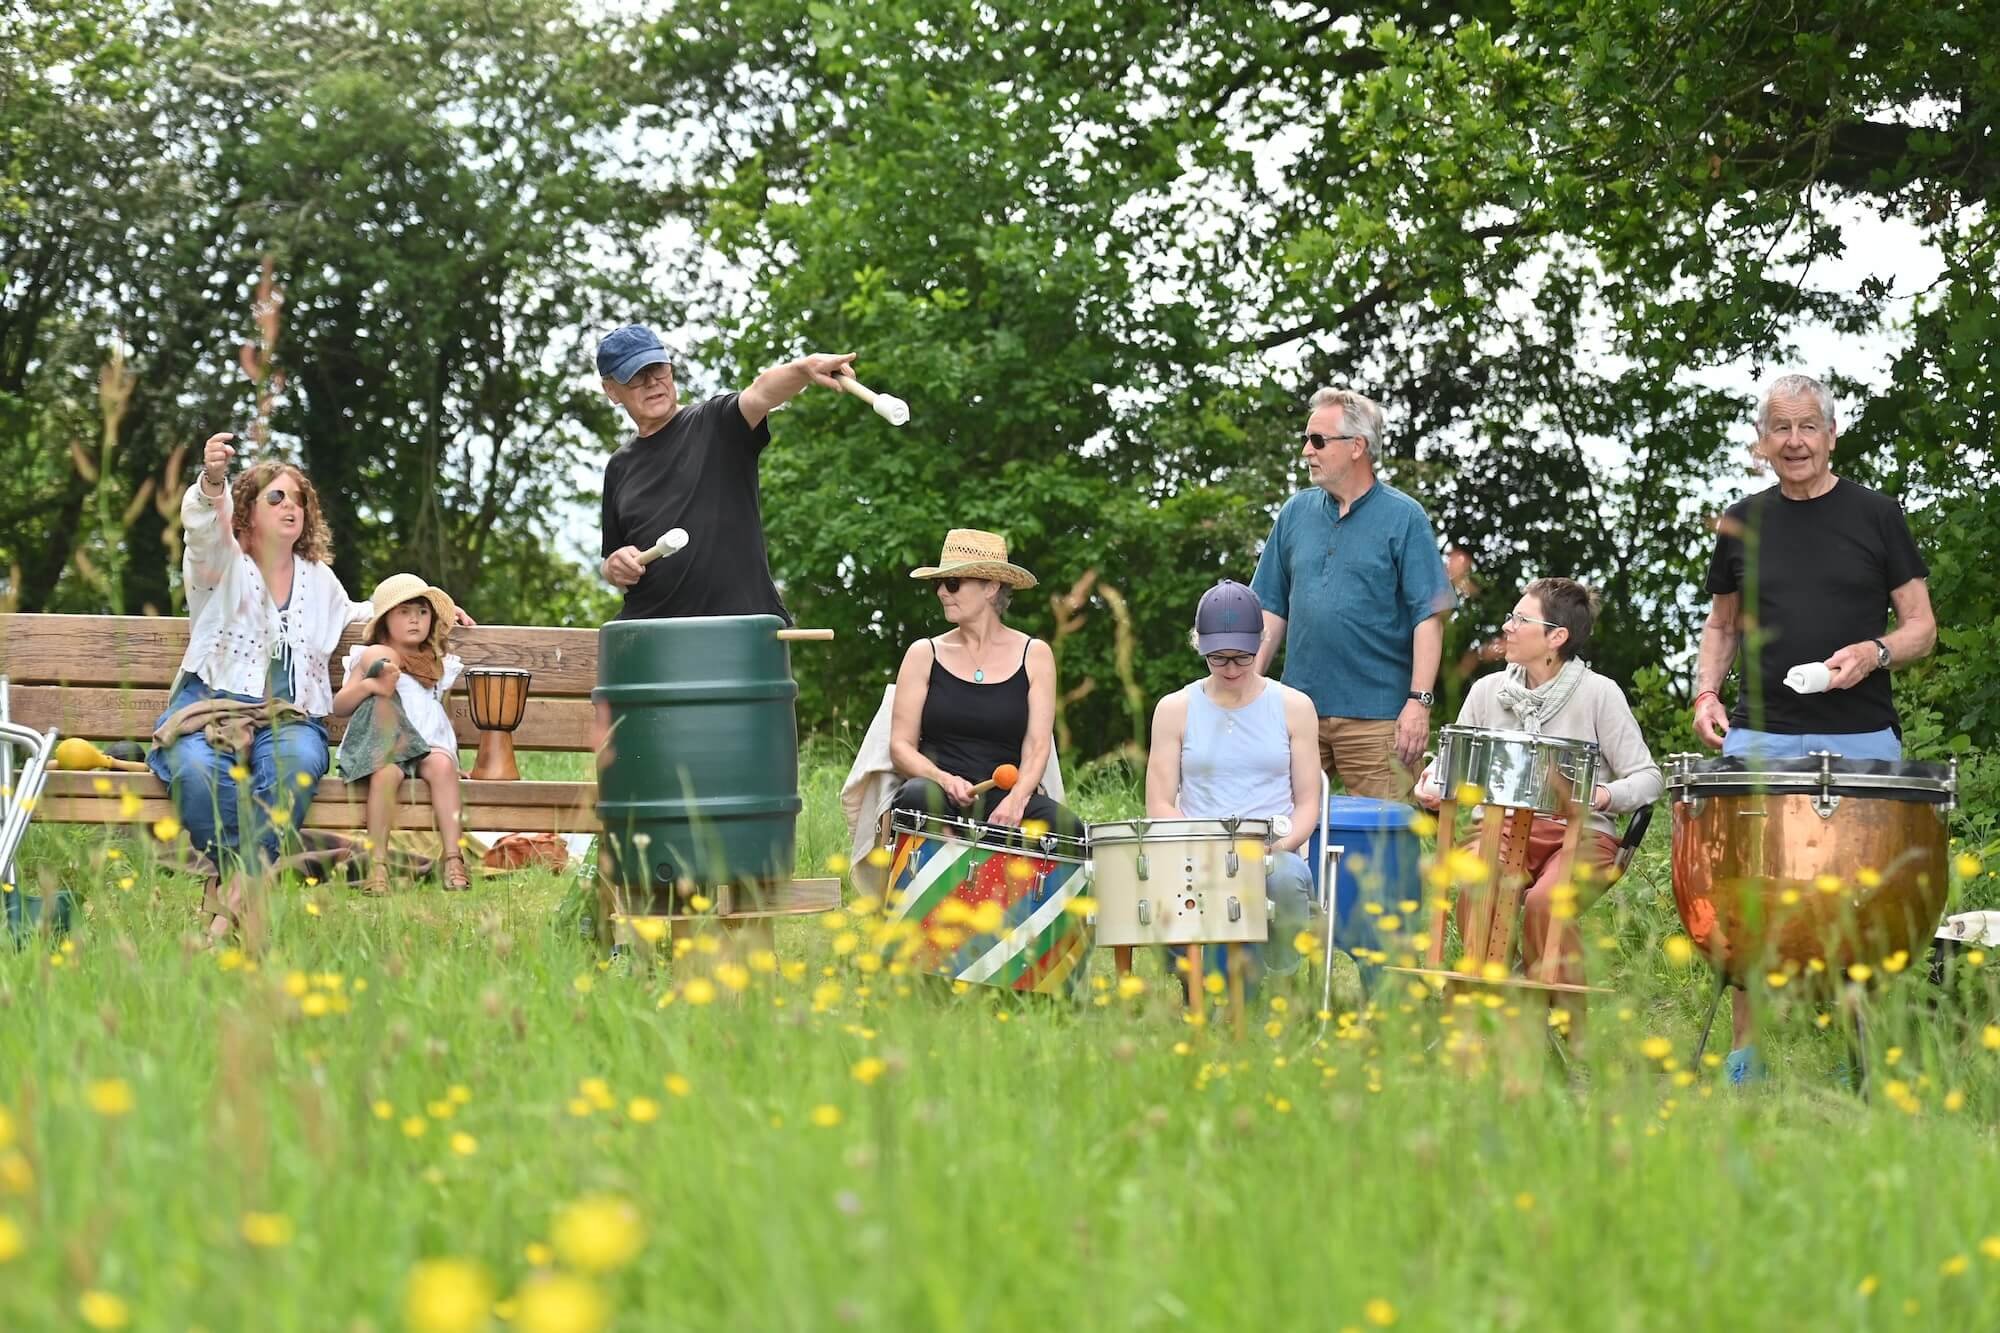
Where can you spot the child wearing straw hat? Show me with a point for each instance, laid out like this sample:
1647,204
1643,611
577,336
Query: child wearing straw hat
396,680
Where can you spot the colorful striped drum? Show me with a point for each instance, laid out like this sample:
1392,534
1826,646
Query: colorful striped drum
985,911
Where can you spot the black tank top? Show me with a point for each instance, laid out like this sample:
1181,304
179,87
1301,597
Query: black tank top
970,730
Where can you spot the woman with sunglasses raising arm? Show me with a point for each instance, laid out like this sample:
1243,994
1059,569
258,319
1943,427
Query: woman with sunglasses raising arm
978,698
249,704
1548,688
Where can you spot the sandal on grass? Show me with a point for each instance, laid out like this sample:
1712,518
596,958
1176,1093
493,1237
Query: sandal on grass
377,883
456,880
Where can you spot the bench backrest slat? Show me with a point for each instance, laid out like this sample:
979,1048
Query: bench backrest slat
144,651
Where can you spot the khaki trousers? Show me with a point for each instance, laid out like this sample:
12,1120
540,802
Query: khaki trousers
1360,754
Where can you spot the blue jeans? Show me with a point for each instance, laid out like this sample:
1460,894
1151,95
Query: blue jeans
211,803
1743,742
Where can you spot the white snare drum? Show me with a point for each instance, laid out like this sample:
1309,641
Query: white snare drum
1519,770
1180,881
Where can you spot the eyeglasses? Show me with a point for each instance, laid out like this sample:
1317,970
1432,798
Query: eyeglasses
277,495
652,375
1316,442
1513,618
1228,659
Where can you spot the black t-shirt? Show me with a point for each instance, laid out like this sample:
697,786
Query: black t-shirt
1815,576
698,472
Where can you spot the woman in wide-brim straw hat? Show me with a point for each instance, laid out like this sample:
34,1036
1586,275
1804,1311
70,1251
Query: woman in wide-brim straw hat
976,697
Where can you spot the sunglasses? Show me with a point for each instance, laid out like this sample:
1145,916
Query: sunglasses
1228,659
1315,441
277,495
951,585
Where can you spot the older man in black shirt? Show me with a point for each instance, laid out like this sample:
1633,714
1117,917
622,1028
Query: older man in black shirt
1811,567
694,468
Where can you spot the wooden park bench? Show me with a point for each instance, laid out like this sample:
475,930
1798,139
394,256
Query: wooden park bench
106,678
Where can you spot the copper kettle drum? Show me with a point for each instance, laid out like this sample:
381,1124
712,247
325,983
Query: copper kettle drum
1781,862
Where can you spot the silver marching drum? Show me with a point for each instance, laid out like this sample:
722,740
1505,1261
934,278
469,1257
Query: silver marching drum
1180,881
1518,770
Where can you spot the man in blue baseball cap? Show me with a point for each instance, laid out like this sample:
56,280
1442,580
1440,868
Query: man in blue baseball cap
1236,745
693,468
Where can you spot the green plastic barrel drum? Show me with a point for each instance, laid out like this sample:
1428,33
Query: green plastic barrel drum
698,784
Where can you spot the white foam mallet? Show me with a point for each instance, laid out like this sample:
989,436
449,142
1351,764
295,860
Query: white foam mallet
672,540
887,406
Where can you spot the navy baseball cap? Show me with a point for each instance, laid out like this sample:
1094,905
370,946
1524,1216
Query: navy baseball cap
1230,619
627,351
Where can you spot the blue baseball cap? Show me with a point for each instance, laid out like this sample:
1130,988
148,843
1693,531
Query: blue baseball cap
627,351
1230,619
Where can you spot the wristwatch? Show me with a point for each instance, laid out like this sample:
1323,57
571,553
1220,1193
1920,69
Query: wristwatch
1881,654
1424,697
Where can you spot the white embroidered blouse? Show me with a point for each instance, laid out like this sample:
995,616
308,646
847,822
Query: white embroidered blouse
237,630
423,707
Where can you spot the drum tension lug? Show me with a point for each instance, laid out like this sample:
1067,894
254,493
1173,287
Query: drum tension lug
1235,910
1145,911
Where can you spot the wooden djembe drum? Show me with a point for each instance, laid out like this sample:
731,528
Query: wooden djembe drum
498,697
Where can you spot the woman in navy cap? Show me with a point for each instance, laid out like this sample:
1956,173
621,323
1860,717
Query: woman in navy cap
692,467
1235,745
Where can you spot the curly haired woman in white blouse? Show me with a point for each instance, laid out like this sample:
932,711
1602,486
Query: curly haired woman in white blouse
266,613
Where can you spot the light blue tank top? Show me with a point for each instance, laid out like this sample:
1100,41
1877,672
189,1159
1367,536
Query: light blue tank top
1236,763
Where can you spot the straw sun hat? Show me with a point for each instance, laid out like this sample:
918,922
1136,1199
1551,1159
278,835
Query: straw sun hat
972,554
393,591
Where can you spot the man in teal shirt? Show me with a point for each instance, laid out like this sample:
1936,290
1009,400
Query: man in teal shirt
1352,572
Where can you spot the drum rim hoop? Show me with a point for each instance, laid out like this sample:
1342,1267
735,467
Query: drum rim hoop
909,821
472,671
1124,831
1529,737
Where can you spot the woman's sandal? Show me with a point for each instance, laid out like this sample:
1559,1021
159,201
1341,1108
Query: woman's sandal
456,880
377,883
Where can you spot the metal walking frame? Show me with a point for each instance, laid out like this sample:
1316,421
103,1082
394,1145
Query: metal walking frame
18,793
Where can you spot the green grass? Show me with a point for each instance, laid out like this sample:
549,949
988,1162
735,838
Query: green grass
1013,1165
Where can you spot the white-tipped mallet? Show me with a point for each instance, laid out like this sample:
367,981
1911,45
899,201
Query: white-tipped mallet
887,406
672,540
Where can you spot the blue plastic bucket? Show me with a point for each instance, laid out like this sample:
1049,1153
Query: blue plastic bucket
1370,854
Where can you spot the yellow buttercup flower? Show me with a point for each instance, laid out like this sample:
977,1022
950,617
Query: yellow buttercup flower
868,1069
110,1097
1966,864
1990,1038
1131,985
1679,950
698,990
464,1144
642,1110
129,804
677,1084
826,1115
1081,905
1379,1313
599,1234
447,1296
267,1231
12,1240
560,1303
102,1310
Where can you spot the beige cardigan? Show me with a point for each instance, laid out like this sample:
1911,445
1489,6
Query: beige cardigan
1597,711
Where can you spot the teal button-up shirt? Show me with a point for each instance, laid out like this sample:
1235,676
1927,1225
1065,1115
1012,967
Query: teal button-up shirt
1352,591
